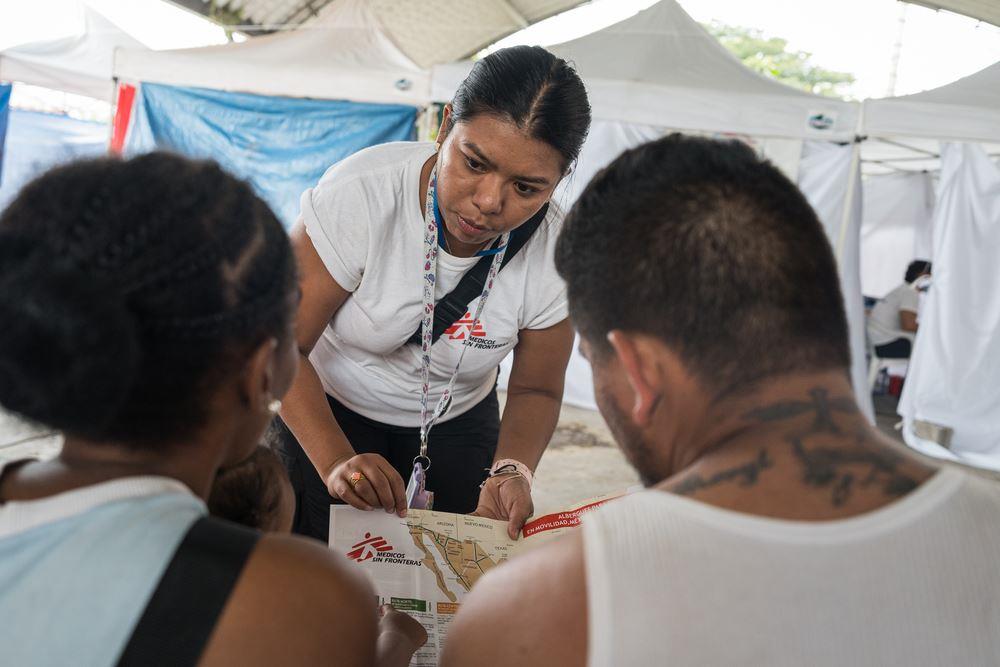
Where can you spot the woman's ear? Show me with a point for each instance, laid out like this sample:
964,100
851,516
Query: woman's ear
259,377
445,126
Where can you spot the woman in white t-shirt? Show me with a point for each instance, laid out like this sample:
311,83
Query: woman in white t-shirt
366,241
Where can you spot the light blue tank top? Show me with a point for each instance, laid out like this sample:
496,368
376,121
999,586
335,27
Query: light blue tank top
77,568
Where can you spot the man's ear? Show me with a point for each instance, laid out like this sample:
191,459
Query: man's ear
445,126
643,373
258,379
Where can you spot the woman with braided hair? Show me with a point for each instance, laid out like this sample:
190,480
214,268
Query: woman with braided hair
146,309
423,266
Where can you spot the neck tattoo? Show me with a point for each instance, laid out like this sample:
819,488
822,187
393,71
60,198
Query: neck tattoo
832,456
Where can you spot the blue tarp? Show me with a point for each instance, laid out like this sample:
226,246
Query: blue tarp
281,145
4,112
37,141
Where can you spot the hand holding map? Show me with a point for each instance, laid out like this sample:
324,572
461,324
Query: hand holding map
426,563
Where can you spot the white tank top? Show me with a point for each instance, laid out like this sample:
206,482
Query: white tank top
675,581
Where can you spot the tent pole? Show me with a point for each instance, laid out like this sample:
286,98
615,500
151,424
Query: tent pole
845,216
113,111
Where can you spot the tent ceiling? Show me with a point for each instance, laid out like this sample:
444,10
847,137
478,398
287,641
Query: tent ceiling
984,10
428,32
661,68
79,64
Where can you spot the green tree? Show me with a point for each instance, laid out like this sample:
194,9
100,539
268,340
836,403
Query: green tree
771,57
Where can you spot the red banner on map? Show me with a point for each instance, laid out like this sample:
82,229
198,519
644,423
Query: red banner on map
559,519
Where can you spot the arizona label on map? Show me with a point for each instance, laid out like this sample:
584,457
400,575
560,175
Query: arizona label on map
426,563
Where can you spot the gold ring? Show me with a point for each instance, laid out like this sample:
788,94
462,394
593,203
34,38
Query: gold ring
355,477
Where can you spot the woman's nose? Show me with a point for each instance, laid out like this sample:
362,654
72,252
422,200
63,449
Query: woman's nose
488,196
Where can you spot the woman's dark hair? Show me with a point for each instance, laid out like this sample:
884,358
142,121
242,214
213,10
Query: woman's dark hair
917,268
539,92
249,493
130,289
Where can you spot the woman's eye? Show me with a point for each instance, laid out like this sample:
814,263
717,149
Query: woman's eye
525,189
474,165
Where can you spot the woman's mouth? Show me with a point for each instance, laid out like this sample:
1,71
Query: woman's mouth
471,229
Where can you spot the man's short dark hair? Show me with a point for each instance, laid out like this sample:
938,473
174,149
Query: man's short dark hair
917,268
713,250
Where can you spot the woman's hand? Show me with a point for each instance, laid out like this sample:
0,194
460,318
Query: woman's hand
506,497
399,636
367,481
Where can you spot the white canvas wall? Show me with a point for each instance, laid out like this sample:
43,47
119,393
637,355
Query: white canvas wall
955,366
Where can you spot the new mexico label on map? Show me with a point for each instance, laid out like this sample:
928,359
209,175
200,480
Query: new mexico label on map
426,563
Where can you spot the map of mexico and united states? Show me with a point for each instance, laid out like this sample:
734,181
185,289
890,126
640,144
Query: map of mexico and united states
430,550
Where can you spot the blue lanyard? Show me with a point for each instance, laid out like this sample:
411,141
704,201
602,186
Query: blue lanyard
439,219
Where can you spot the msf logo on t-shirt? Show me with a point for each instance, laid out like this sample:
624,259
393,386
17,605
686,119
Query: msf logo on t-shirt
368,548
463,327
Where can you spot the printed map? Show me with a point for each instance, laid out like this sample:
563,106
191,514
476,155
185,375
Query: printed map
465,557
425,564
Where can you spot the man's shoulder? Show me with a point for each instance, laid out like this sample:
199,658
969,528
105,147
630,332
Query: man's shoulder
516,612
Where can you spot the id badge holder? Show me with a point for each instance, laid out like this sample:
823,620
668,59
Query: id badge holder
417,495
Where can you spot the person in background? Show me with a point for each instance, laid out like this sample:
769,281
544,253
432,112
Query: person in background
892,323
778,527
147,309
255,492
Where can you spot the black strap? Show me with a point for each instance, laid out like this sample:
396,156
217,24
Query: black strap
194,589
455,304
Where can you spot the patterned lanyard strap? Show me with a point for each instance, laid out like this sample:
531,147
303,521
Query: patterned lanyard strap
428,418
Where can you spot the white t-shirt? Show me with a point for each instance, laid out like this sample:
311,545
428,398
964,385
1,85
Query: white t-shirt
672,581
365,219
883,323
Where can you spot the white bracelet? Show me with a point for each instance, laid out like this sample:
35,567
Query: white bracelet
512,466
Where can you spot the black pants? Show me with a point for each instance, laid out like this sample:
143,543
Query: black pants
896,349
461,451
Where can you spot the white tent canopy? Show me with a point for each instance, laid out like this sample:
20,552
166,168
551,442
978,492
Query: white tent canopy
661,68
344,54
966,110
80,64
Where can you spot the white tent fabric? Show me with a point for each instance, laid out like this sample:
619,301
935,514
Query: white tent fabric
895,228
966,110
607,140
825,172
80,64
983,10
956,359
661,68
344,54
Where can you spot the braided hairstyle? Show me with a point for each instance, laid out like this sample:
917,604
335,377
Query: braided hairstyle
130,289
